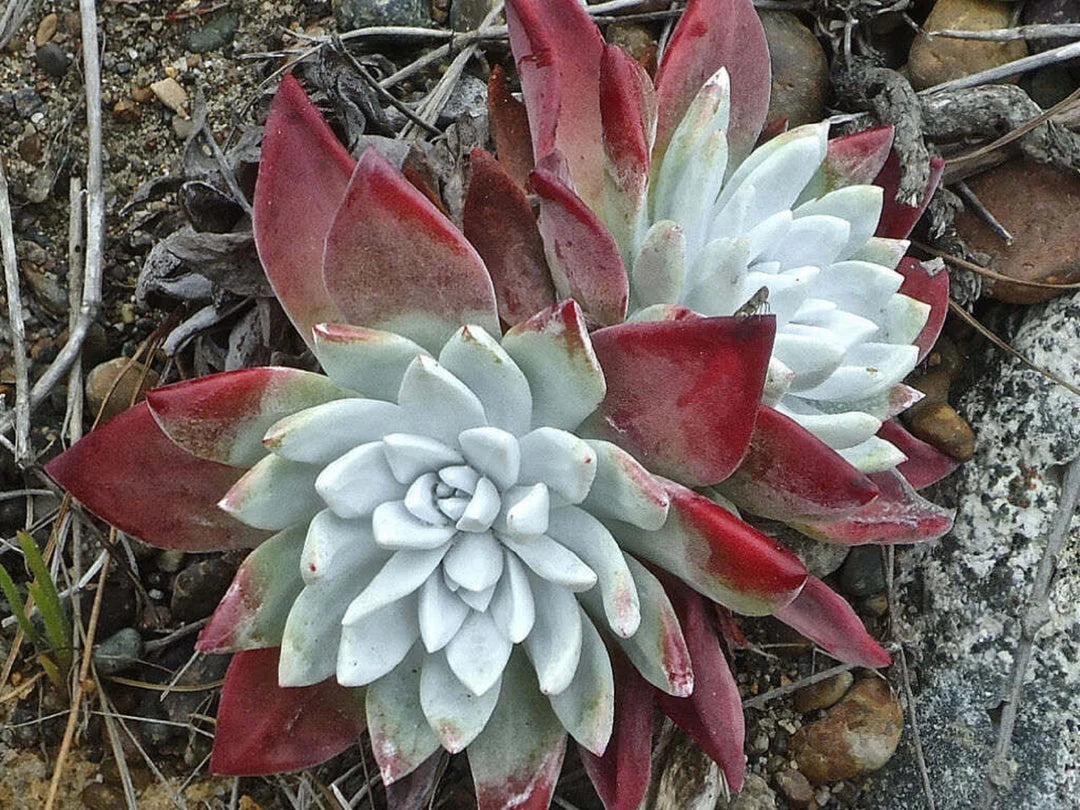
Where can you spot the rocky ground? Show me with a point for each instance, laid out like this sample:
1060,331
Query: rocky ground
179,302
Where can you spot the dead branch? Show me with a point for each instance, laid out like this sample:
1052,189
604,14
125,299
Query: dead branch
18,330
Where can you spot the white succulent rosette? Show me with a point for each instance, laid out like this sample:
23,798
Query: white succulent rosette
450,517
713,234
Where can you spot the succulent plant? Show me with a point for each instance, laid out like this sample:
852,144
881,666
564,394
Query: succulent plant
654,202
479,539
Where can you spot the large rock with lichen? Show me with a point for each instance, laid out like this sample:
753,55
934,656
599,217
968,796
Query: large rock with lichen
969,592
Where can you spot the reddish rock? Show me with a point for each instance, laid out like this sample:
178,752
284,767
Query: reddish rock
1037,205
121,382
858,735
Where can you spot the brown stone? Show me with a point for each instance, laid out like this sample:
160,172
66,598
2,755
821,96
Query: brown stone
170,93
46,30
858,735
935,60
800,70
142,94
636,40
755,795
823,694
1037,205
796,788
134,380
125,110
940,426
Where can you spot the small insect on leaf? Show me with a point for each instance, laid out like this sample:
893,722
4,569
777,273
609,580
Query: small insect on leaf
757,304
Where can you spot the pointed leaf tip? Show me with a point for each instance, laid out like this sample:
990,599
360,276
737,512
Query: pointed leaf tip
129,473
825,617
712,34
394,262
303,174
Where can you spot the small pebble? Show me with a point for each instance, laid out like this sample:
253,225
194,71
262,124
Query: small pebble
755,795
199,587
170,560
217,33
52,59
170,93
823,694
796,788
863,573
46,30
118,652
100,381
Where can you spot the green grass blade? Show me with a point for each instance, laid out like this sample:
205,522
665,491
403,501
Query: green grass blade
43,589
7,585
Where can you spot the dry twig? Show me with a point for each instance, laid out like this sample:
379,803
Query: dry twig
18,331
1054,56
1038,31
1035,616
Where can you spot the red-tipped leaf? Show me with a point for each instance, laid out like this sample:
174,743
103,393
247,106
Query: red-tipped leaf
558,50
825,617
712,34
681,395
499,222
713,714
931,288
898,515
925,464
394,262
717,554
223,417
898,218
788,472
302,179
628,115
621,775
263,728
510,129
584,260
129,473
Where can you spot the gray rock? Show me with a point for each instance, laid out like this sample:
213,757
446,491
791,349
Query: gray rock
118,652
215,34
362,13
52,59
972,588
862,573
800,70
469,97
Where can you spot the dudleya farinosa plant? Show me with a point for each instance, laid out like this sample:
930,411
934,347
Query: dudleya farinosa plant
461,537
654,201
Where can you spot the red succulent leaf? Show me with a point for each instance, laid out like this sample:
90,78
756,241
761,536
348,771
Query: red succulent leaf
129,473
856,159
223,417
898,218
713,714
500,223
931,288
788,472
584,260
717,554
263,728
302,179
925,464
510,128
714,34
413,791
628,115
681,395
558,50
825,617
898,515
778,126
621,775
394,262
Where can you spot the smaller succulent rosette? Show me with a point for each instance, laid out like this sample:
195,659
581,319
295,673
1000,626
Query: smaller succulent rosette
656,198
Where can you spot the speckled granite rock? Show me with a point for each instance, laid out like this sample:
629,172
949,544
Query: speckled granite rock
970,588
